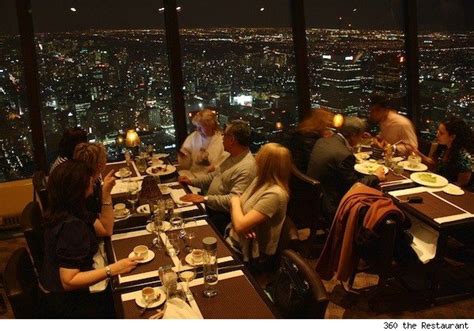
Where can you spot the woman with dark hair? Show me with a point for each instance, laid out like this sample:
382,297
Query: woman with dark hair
71,243
70,139
452,160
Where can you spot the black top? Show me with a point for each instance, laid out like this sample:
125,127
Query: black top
94,201
332,163
301,146
70,244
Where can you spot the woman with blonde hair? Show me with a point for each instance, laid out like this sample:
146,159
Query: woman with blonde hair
317,125
203,150
257,216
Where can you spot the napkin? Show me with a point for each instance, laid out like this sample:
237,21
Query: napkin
176,308
177,194
121,185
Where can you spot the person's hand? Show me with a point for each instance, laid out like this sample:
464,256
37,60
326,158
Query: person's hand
196,198
211,168
411,149
124,265
379,142
109,182
250,234
184,180
380,173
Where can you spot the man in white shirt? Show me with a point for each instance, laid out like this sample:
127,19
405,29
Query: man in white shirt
395,129
232,177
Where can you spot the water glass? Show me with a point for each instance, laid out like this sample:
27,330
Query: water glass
174,244
397,169
133,191
141,164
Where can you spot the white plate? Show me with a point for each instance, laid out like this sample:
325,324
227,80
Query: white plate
127,174
127,213
438,181
167,226
189,260
368,168
151,256
141,303
362,156
406,166
165,189
158,162
169,170
453,189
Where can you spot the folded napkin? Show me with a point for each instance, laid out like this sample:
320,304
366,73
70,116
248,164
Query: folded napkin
121,186
176,308
176,196
99,262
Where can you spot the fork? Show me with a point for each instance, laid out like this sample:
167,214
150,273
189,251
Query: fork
149,303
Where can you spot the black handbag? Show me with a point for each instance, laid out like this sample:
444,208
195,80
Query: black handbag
289,291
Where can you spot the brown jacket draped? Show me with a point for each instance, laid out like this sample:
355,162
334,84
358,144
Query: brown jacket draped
339,255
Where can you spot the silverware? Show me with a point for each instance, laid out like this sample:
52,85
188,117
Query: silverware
150,303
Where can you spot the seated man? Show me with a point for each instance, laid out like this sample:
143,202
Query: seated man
230,178
332,163
395,129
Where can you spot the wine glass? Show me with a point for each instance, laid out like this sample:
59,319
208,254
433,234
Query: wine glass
158,227
187,276
133,190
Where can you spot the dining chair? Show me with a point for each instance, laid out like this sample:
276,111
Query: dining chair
31,222
40,194
304,208
297,291
21,285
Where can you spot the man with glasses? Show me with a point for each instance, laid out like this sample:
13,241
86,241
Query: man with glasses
231,178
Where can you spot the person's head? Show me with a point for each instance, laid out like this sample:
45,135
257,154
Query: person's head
92,154
69,185
454,133
236,136
352,129
206,122
273,165
70,139
379,107
319,121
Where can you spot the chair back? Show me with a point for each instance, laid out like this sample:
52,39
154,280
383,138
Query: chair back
297,291
288,236
31,221
21,285
40,193
305,201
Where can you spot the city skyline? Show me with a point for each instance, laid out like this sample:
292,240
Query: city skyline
108,81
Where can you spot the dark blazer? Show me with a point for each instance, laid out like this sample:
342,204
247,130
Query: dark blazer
301,146
332,163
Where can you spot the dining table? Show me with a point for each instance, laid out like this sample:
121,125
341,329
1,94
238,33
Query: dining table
239,295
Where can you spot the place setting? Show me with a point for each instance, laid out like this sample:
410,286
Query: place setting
160,170
144,254
123,173
121,211
413,164
368,168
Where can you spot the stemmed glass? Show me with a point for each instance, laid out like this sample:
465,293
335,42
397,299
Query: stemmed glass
158,226
133,190
178,224
187,276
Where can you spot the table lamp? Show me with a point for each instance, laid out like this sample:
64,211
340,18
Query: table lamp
132,140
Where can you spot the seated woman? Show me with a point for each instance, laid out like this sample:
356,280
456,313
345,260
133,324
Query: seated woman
452,160
70,139
315,126
95,157
258,215
70,244
203,150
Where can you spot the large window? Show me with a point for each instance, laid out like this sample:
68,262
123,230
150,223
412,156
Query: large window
355,49
446,43
103,67
238,58
16,154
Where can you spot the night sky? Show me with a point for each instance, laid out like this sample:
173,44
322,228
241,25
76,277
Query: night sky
56,16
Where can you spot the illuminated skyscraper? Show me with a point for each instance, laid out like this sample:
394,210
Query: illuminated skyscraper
341,84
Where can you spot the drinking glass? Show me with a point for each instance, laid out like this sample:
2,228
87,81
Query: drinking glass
397,169
177,223
158,227
141,164
187,276
169,205
174,244
133,190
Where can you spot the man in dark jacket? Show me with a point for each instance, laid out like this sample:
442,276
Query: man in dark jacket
332,163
